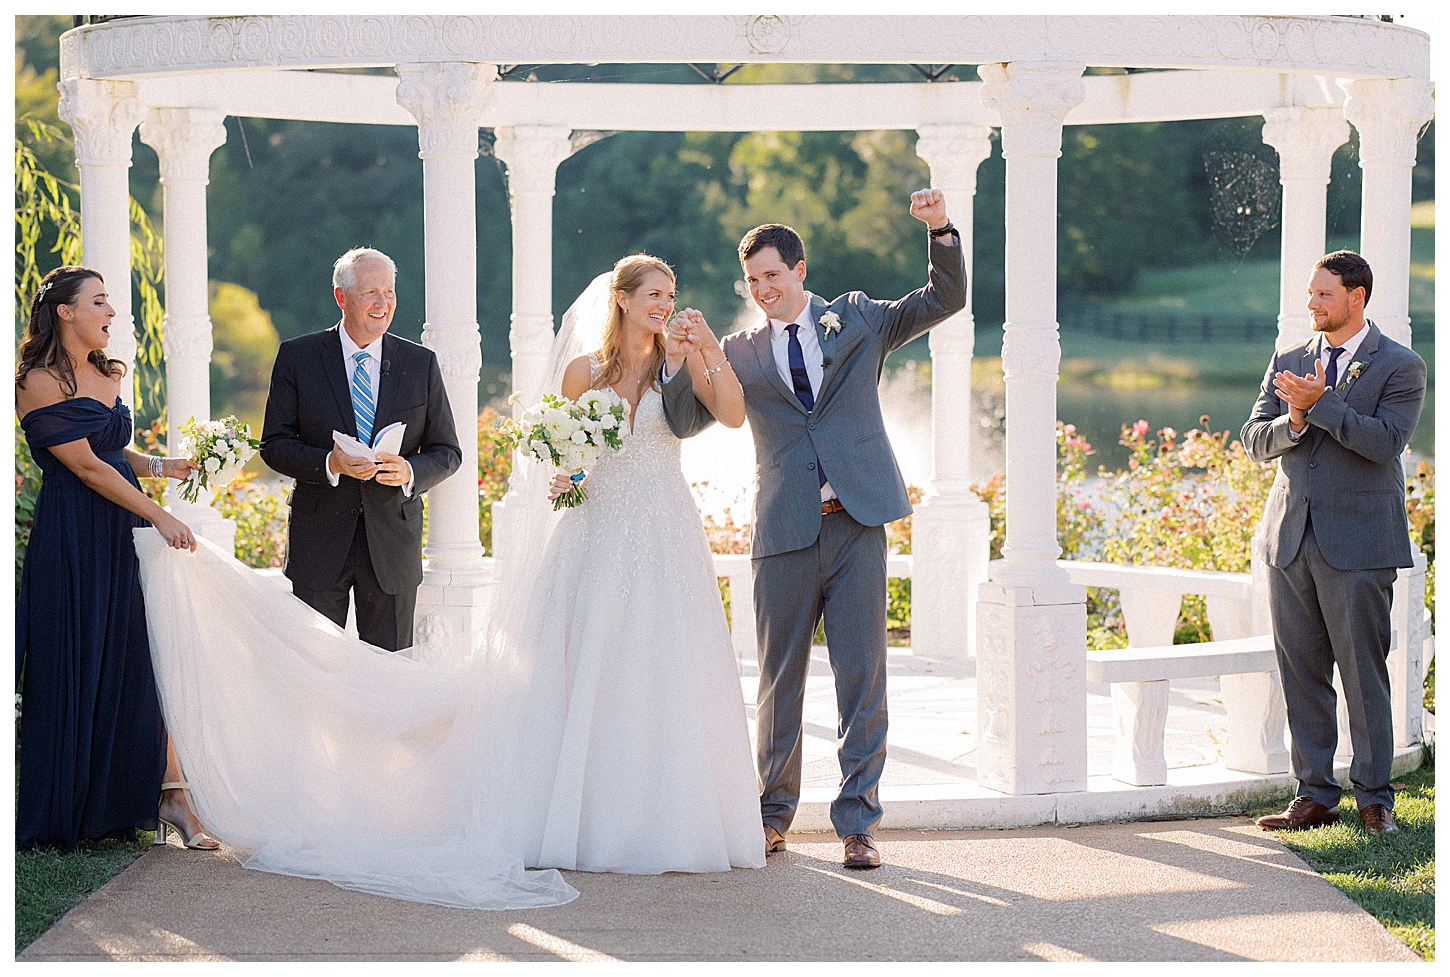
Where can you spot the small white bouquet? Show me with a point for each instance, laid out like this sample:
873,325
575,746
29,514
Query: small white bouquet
570,435
220,447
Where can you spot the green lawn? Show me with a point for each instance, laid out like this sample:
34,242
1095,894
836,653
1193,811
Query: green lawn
49,884
1392,878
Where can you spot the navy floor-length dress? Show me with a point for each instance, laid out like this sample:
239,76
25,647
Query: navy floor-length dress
92,744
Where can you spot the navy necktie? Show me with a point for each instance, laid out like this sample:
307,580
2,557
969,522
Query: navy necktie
801,381
799,378
1331,372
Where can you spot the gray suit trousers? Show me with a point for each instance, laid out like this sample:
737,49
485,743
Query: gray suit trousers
843,576
1323,617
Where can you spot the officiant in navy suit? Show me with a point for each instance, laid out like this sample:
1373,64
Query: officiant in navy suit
1337,412
357,526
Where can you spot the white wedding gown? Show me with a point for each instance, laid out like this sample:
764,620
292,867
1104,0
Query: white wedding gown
602,729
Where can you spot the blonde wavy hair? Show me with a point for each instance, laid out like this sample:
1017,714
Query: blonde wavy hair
629,274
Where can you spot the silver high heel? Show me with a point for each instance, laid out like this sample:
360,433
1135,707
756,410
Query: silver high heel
196,841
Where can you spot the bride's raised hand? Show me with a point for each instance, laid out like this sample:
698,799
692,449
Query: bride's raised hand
677,343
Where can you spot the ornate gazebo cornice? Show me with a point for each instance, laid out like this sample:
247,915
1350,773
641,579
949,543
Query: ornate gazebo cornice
1340,47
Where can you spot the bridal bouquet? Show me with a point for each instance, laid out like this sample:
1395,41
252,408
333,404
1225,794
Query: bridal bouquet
221,448
570,435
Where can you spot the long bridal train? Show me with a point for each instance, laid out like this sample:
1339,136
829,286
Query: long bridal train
313,754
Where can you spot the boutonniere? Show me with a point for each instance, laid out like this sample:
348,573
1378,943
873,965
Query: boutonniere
1350,374
831,323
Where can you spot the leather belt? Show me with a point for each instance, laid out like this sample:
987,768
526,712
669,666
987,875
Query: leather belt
832,505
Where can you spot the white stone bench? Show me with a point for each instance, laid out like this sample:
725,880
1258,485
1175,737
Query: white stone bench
1248,679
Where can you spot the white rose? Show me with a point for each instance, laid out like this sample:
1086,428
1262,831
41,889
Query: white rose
579,437
213,465
609,422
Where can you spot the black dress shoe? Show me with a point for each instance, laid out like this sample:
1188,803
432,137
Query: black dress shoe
861,852
774,840
1378,820
1302,813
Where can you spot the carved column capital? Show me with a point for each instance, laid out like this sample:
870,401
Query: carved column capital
1305,139
1389,114
102,114
1032,98
953,153
447,99
532,154
184,140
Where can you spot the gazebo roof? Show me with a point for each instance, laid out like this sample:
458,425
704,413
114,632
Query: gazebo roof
1341,47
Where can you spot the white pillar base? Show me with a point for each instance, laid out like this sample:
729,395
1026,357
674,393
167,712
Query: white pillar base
453,608
1031,698
950,541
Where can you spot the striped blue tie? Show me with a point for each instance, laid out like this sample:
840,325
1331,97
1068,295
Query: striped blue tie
362,399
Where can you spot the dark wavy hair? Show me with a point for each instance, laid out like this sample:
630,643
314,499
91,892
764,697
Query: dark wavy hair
1352,269
785,240
41,346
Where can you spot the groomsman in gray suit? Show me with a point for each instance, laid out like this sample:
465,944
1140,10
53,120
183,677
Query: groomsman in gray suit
826,483
1337,413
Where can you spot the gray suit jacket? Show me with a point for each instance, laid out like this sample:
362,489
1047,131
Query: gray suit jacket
1345,470
845,430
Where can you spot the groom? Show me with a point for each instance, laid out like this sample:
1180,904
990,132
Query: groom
826,484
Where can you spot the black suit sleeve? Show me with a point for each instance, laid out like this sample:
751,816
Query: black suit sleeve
282,446
439,455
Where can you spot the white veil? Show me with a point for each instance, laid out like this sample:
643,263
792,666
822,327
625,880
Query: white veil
530,518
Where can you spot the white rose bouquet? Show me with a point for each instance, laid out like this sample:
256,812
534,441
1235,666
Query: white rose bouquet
570,435
221,448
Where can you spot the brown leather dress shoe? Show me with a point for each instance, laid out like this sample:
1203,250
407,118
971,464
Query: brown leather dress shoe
1378,820
1302,813
861,852
774,840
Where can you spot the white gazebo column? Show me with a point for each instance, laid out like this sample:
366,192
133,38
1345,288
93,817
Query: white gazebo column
184,140
532,155
951,526
447,99
1031,622
1389,115
103,115
1305,139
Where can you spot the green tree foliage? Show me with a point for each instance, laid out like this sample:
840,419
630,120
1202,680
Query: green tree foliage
244,346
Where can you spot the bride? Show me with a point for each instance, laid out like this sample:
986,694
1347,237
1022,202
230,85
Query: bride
598,727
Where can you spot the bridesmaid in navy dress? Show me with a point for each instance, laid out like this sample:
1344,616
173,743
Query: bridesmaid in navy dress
93,749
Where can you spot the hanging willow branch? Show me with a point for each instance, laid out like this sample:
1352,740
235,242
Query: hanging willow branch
43,214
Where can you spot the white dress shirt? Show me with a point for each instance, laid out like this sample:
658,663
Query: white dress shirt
1350,347
374,367
810,351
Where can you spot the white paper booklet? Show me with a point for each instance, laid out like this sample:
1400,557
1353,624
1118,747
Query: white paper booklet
389,440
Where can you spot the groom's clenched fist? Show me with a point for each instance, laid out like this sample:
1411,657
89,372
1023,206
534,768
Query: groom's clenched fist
930,206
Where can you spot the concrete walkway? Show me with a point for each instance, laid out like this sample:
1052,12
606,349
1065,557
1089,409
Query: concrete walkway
1211,890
